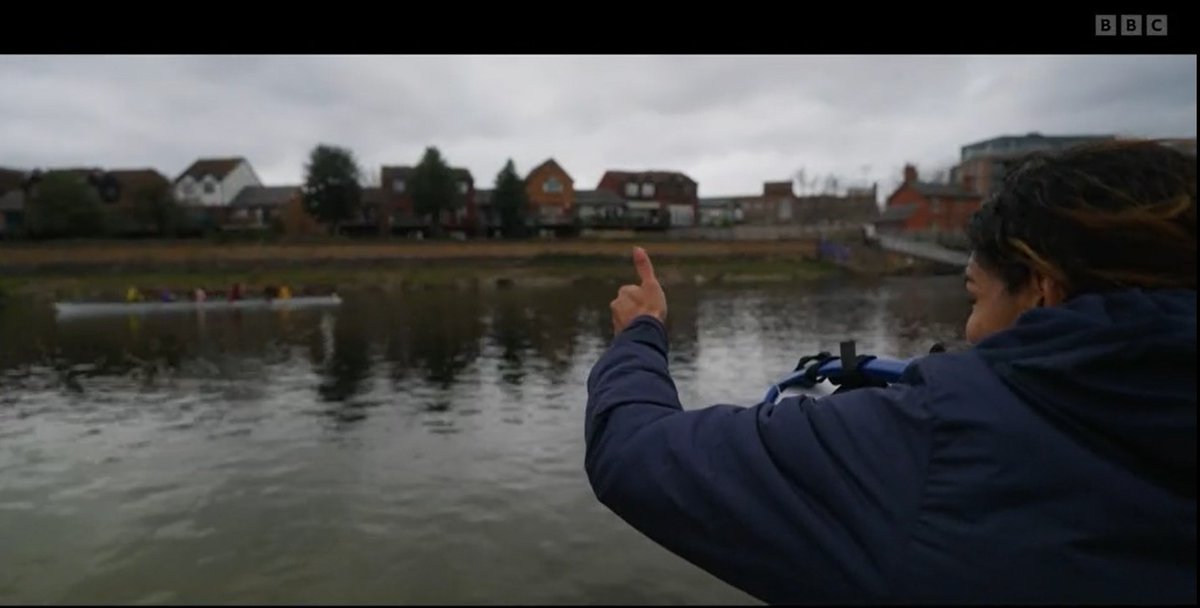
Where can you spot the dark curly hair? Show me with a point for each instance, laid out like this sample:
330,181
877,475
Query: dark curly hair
1098,217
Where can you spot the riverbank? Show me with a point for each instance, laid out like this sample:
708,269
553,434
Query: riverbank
100,270
25,258
543,271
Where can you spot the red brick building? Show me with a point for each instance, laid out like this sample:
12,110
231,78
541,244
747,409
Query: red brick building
551,194
393,211
665,198
926,207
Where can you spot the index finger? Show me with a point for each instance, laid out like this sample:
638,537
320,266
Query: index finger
641,261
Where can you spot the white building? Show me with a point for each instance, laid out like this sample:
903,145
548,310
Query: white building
214,182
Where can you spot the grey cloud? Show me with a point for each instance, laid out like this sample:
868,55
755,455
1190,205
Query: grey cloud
730,122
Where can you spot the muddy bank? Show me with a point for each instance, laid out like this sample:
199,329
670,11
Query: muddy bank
111,283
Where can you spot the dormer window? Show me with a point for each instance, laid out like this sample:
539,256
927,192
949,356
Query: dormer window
462,187
397,185
552,186
631,189
647,189
210,186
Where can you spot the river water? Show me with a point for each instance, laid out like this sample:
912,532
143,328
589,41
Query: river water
421,447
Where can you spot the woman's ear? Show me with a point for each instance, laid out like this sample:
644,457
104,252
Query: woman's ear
1050,291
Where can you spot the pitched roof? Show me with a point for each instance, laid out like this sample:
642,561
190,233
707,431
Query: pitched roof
82,173
657,177
387,173
216,167
550,162
597,198
265,196
132,179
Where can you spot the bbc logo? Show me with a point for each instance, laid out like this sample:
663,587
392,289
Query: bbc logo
1131,25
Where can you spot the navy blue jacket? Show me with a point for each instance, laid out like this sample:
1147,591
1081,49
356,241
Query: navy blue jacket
1053,462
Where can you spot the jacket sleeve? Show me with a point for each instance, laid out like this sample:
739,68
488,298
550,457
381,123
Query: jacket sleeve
805,500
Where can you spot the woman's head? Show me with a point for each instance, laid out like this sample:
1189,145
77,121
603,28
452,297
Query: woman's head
1092,219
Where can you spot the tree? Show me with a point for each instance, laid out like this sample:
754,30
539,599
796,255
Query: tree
62,205
433,188
831,185
154,205
800,180
332,190
510,201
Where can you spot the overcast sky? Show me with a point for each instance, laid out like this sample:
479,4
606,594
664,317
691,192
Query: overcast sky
728,122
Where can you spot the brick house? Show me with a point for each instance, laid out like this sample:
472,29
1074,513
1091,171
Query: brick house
551,194
395,213
117,189
655,198
773,206
778,205
918,207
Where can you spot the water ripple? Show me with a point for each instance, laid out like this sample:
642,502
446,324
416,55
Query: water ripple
423,449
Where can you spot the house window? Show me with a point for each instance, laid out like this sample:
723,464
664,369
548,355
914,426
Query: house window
647,189
189,188
552,185
209,186
631,189
397,185
462,187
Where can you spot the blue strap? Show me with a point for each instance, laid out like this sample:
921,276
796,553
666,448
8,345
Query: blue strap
830,368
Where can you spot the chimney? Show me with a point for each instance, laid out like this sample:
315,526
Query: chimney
778,189
910,174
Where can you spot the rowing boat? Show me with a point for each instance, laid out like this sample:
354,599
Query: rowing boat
73,309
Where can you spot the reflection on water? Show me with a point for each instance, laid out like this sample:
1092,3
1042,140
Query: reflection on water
424,447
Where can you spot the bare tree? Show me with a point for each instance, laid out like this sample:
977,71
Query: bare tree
831,185
800,181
